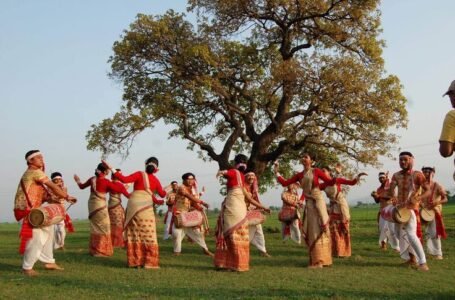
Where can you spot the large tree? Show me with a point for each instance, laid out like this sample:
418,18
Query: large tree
269,78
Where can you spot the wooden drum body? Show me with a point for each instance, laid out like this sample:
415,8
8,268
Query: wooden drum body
188,219
396,215
255,217
427,214
46,215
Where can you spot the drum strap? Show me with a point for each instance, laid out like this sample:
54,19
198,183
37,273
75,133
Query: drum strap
26,194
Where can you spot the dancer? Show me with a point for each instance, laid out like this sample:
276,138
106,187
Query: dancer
316,231
140,227
386,228
435,229
232,235
170,202
291,205
339,212
409,183
36,243
256,234
186,201
116,216
100,227
66,224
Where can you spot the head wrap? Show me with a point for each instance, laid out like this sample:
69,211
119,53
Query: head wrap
56,175
406,153
31,154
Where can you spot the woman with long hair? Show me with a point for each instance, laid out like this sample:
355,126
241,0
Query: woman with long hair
315,231
100,227
232,235
339,212
140,226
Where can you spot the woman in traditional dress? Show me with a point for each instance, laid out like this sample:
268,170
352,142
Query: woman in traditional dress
233,245
315,230
116,216
339,213
140,226
291,203
100,227
256,233
435,229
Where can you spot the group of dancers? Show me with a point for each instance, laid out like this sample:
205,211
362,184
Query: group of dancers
418,197
325,231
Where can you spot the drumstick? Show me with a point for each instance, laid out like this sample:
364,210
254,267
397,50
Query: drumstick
69,206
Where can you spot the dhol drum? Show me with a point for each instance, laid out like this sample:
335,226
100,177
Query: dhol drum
188,219
255,217
427,214
287,214
394,214
46,215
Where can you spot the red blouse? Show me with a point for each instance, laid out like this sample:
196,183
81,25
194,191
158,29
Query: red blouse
317,174
235,178
337,182
104,185
139,184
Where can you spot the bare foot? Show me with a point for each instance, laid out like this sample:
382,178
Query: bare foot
151,267
316,266
208,253
53,266
265,254
423,268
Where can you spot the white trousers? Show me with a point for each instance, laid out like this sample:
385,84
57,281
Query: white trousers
433,241
167,226
257,237
193,232
409,242
60,235
295,231
387,233
39,247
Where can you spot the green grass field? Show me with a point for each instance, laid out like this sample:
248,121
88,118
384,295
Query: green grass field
369,274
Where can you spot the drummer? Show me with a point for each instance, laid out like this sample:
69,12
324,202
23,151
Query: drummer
36,243
386,228
187,199
409,184
435,229
60,228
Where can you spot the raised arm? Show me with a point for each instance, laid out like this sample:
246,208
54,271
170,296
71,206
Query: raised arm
117,187
82,185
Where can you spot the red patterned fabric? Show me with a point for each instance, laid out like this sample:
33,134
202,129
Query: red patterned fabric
440,228
419,225
69,224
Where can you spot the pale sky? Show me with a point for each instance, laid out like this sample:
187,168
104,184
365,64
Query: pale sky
53,70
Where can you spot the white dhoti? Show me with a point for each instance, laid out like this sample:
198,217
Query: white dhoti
294,229
60,234
195,234
409,241
387,233
167,226
257,237
39,247
433,240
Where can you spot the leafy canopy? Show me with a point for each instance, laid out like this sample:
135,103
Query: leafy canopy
267,78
